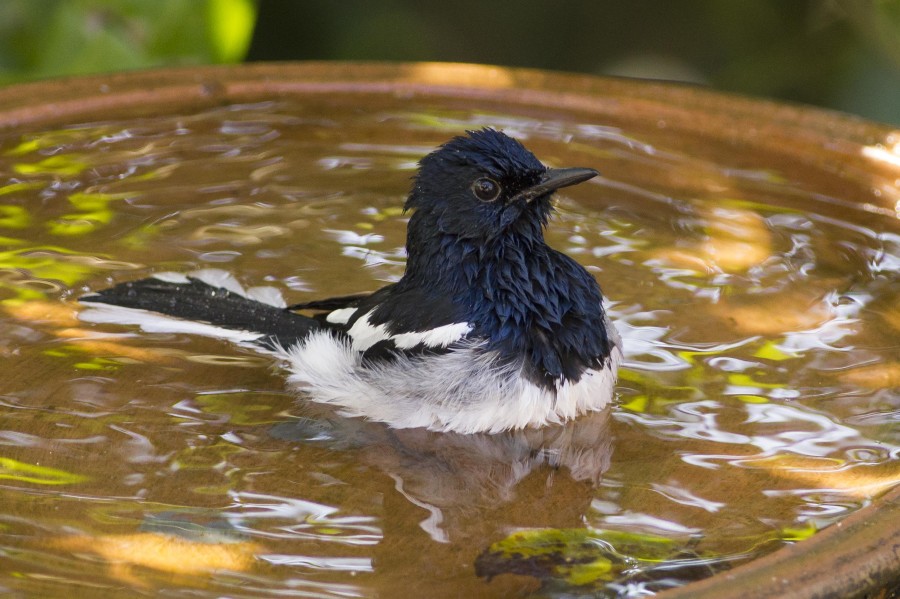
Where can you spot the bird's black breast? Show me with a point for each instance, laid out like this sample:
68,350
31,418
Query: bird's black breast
547,311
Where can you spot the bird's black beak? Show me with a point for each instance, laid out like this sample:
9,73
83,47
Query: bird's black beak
553,179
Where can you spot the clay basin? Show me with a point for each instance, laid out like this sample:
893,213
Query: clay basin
749,250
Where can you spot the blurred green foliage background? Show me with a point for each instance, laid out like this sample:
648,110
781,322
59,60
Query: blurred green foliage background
49,38
843,54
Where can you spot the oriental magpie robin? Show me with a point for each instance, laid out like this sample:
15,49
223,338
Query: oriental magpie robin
489,328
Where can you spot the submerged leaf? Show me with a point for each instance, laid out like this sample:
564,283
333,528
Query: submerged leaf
798,533
576,556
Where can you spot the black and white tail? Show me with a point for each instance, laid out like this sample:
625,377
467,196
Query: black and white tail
207,302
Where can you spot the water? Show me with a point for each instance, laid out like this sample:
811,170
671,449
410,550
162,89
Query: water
758,298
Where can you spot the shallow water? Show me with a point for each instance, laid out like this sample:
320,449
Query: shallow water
757,296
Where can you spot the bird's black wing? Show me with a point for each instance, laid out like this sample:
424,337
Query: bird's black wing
336,312
398,320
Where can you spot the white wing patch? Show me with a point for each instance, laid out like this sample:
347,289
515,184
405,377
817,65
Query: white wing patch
364,334
436,337
341,316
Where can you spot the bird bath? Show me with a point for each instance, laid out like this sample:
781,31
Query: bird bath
749,249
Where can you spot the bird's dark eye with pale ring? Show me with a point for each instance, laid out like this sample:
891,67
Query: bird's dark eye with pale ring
486,190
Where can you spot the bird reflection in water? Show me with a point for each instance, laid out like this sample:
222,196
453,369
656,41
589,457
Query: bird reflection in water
465,492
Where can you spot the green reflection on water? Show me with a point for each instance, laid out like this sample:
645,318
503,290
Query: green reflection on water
92,211
62,165
40,475
244,408
47,262
14,217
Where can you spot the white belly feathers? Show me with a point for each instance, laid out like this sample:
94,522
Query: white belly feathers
465,390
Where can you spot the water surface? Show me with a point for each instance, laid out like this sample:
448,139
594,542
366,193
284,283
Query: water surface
758,299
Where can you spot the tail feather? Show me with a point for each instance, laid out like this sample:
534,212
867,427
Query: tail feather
214,300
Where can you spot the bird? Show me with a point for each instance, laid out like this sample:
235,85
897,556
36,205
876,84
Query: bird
488,330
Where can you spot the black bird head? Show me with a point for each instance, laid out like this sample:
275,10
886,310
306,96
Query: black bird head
482,185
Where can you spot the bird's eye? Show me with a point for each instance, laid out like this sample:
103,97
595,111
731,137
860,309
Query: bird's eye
486,190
